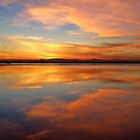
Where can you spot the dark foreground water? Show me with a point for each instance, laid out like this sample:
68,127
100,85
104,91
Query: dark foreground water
88,102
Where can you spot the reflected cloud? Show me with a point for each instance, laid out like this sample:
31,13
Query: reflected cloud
105,114
31,77
11,130
70,102
38,136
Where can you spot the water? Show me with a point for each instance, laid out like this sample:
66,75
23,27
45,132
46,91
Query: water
84,102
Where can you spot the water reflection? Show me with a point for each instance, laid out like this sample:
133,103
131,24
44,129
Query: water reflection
70,102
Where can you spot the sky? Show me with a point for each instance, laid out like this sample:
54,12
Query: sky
70,29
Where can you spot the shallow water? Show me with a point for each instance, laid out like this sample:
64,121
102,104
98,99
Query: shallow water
83,102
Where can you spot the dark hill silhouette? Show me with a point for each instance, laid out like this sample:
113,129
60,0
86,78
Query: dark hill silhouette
60,60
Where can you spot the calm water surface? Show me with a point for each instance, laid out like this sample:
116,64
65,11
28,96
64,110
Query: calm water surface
89,102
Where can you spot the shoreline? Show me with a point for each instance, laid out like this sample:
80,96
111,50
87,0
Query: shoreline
65,64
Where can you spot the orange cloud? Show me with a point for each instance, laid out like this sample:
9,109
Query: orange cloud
116,18
33,47
93,17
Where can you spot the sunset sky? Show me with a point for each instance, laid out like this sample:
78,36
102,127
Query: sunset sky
72,29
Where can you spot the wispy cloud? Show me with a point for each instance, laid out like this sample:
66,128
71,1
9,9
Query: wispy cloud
6,2
38,47
114,27
112,19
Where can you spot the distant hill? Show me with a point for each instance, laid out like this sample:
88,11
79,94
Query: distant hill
60,60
